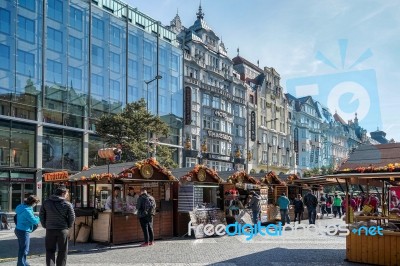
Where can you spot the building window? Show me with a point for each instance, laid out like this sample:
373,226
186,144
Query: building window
133,93
216,102
55,10
133,69
97,55
207,122
223,105
133,44
148,51
75,78
97,85
4,21
251,99
115,90
223,148
229,108
26,29
28,4
223,125
215,146
303,147
163,57
54,72
194,142
264,157
174,84
195,95
114,62
216,123
98,28
191,162
206,100
54,40
174,62
4,57
195,118
25,63
303,161
229,127
75,47
115,36
75,18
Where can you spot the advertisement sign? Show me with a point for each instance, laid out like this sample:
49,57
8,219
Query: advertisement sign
56,176
394,198
188,106
253,126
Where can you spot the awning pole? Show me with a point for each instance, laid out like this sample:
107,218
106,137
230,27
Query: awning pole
340,185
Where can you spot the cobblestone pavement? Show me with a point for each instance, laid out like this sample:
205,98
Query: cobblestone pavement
292,248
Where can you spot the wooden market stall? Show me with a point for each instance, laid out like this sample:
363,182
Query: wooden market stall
199,198
374,166
240,184
122,225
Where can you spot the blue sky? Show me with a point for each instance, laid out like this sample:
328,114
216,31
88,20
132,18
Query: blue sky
357,42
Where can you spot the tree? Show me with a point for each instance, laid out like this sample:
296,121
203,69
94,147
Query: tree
131,129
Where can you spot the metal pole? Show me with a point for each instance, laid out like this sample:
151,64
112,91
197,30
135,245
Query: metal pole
158,45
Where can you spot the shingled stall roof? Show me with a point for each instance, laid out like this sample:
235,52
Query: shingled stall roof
191,174
102,170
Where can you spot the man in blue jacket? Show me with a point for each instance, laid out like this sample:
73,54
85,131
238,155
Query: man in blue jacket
57,216
283,203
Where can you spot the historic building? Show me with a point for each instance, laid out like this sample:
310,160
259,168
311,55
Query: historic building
62,65
271,147
215,99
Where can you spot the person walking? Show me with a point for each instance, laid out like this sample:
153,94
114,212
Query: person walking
57,216
283,203
298,208
337,206
255,205
311,201
322,202
329,202
146,206
25,222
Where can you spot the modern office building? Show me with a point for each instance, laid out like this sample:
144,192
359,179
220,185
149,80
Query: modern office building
62,65
215,99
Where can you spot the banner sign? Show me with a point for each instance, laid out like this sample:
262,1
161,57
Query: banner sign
188,106
253,126
56,176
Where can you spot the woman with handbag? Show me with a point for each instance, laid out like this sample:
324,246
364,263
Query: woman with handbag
27,222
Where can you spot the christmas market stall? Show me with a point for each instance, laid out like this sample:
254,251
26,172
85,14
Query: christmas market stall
117,221
374,230
199,199
237,189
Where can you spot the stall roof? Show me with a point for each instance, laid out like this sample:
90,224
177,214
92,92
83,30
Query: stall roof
319,180
114,169
225,174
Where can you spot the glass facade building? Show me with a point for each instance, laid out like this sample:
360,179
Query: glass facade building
62,65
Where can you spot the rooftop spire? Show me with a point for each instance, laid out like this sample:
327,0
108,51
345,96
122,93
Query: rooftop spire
200,14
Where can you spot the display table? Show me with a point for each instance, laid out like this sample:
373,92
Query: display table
379,250
378,219
127,227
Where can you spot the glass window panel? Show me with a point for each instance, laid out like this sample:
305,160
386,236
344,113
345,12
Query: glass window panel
97,55
114,62
25,63
54,40
55,10
133,94
75,18
28,4
174,62
75,78
4,21
54,72
133,44
115,90
4,57
148,50
115,36
75,47
97,85
133,69
26,29
174,84
98,28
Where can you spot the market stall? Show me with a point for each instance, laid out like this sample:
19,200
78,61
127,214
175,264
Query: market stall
199,199
120,224
237,187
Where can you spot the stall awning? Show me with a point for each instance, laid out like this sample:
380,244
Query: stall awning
113,169
371,179
319,180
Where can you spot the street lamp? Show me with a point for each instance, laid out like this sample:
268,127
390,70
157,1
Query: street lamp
147,105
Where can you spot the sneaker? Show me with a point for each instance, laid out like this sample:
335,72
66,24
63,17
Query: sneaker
151,243
145,244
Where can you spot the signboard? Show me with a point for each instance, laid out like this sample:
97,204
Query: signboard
22,177
56,176
253,126
223,115
219,157
219,135
188,106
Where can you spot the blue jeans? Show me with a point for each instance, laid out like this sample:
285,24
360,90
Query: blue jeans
255,216
312,214
23,243
285,216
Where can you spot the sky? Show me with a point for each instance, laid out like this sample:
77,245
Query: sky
346,54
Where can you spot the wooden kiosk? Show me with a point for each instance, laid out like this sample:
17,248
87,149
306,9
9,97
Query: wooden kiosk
122,225
199,195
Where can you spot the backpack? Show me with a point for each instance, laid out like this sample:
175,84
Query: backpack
149,206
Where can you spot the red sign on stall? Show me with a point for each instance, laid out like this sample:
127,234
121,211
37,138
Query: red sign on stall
56,176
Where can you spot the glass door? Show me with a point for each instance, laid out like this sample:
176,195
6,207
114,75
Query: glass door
4,196
16,195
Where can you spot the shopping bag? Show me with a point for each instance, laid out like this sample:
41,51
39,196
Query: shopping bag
367,209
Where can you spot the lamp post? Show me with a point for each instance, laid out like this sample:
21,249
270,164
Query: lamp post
269,145
147,107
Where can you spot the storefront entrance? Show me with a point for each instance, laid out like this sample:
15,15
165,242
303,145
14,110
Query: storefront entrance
14,188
